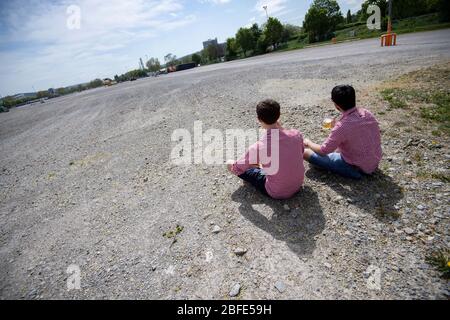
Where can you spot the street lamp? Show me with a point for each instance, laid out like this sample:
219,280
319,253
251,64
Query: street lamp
267,14
390,17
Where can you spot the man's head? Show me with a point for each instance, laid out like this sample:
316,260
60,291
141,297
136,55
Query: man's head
344,97
268,111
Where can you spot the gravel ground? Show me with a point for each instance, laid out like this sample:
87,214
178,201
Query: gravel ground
86,179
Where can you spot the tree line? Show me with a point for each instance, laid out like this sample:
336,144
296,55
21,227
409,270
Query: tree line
321,21
10,101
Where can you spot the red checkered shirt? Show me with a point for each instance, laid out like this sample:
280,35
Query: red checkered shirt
357,137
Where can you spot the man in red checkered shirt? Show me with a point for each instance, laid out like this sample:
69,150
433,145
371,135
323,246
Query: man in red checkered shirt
354,145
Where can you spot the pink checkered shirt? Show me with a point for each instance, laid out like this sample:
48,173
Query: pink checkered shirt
290,174
357,137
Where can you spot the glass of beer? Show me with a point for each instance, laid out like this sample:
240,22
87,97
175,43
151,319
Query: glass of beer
328,124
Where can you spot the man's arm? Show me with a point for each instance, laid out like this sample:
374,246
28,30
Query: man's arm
247,161
337,136
314,147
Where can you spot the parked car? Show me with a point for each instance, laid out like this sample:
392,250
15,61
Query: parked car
186,66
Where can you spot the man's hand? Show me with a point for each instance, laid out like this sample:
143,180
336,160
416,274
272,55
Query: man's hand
312,146
333,123
230,165
307,143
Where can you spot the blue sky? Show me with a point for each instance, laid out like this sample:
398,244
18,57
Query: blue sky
39,51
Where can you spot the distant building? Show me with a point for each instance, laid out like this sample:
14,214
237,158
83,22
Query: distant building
221,47
210,42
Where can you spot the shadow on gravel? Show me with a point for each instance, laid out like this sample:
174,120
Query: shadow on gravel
297,226
377,194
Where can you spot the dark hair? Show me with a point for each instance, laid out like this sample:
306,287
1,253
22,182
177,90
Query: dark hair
268,111
344,96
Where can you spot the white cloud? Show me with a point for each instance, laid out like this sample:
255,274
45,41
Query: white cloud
215,1
273,6
62,56
251,21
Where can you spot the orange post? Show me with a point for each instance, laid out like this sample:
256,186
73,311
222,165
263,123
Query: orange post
390,38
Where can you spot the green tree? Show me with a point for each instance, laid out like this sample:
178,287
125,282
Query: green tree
212,53
410,8
349,16
245,40
273,31
322,19
42,94
262,44
95,83
153,65
232,48
196,58
9,102
444,10
256,31
290,31
170,60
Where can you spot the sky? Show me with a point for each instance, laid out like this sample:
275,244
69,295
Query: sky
44,45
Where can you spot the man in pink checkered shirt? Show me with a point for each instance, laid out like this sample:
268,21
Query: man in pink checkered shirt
354,145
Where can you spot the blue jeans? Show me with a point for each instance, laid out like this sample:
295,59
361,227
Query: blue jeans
334,163
257,178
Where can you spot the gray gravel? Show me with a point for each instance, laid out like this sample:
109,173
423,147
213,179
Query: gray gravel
86,180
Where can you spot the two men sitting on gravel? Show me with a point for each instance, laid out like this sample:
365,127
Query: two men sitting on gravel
352,149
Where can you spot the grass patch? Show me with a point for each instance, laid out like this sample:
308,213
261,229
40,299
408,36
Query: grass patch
383,212
417,157
438,110
433,105
51,175
291,45
173,233
441,176
395,100
423,174
440,260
